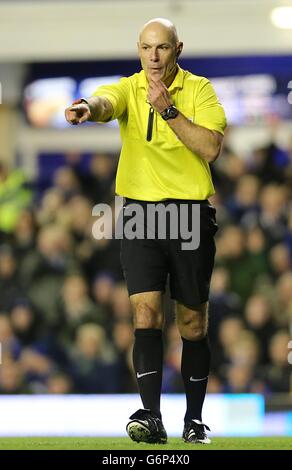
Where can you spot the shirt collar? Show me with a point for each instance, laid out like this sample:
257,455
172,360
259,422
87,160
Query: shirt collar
177,82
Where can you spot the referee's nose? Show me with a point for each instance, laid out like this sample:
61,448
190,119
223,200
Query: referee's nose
154,56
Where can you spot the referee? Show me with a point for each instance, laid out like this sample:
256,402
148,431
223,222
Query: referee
172,127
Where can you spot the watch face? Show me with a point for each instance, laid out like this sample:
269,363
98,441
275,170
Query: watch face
170,113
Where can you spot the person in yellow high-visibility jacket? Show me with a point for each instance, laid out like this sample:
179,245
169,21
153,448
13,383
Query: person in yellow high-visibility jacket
172,126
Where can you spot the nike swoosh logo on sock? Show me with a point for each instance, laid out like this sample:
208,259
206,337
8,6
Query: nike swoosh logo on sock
198,380
146,373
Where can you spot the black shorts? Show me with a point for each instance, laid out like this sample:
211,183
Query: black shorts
147,262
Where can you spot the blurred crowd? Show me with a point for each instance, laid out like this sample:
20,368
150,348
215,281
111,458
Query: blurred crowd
65,316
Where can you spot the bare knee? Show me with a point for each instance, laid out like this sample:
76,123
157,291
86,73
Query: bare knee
146,316
147,311
192,324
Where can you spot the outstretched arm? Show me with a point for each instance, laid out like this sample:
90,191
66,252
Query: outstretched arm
96,108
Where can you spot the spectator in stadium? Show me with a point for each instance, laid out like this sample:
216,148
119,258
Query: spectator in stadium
222,301
271,217
12,379
97,181
258,317
51,207
245,350
75,308
229,332
36,366
11,285
94,365
24,235
239,379
102,290
169,140
9,343
121,306
284,300
45,268
171,379
15,195
280,260
66,182
245,197
278,373
269,163
25,322
122,335
231,168
59,383
244,262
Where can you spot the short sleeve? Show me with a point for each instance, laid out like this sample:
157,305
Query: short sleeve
209,112
117,94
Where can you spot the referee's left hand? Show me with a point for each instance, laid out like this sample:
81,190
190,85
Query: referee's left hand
158,95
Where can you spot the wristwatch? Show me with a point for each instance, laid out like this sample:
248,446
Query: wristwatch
169,113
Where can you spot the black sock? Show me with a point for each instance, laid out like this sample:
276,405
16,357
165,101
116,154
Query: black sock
195,365
147,359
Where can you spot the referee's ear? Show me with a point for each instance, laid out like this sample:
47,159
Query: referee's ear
179,49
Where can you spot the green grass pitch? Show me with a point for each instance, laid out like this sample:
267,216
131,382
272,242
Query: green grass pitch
119,443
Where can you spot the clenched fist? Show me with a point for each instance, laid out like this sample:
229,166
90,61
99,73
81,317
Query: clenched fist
158,95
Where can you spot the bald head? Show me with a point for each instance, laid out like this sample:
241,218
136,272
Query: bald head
160,25
159,49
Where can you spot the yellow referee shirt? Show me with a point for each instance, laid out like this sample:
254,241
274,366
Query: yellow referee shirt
162,168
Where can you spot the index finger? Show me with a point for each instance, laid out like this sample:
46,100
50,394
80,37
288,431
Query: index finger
152,81
159,84
162,84
74,108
